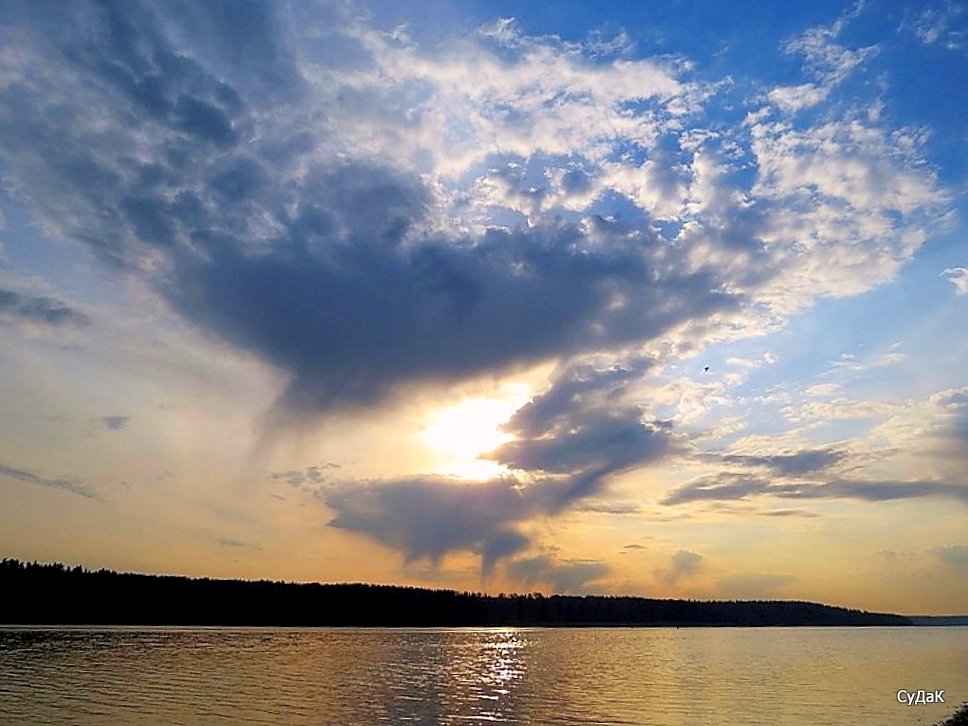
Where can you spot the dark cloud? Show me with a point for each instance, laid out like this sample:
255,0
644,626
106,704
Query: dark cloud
598,440
583,426
193,177
115,423
69,485
795,463
562,577
38,309
310,475
879,491
720,487
727,487
682,564
431,516
352,312
236,543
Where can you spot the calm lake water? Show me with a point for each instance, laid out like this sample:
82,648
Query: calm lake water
705,676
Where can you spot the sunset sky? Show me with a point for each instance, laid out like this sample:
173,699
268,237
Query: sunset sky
653,298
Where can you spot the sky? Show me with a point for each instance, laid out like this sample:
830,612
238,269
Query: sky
664,299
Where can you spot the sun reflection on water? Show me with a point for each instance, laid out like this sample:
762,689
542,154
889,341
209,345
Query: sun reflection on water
488,670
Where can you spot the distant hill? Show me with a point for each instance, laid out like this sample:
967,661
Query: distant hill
938,619
54,594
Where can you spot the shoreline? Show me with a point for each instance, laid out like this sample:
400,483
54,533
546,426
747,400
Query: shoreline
958,718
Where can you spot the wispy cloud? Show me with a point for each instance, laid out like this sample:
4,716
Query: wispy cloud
957,276
25,308
939,23
563,577
682,564
69,485
115,422
730,487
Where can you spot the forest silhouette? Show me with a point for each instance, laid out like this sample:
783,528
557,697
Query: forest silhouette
35,593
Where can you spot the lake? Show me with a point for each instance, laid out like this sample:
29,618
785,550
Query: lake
707,676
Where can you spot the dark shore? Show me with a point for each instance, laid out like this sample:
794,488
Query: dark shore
958,718
51,594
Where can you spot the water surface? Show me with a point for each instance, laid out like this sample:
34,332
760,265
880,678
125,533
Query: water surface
708,676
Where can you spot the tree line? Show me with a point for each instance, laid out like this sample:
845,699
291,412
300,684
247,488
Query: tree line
34,593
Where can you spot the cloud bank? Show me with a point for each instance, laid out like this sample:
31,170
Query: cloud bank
368,216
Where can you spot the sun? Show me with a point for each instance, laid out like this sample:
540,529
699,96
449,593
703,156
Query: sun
458,434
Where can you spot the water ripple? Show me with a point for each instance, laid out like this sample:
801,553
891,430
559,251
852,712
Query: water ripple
562,677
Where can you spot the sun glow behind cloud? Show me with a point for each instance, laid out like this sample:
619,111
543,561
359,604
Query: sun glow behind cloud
458,435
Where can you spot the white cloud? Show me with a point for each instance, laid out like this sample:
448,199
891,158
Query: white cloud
825,60
850,362
957,276
936,25
795,98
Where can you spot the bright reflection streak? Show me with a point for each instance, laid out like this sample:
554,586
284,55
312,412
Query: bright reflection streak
487,668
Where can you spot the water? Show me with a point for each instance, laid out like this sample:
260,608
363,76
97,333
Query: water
707,676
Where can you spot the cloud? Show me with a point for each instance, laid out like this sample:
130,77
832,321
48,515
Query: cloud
29,309
68,485
731,487
718,487
850,362
570,438
957,276
244,188
795,463
598,441
932,434
236,543
563,577
838,408
372,314
428,517
394,216
312,475
115,423
789,513
825,60
609,507
682,564
938,23
431,516
584,423
955,556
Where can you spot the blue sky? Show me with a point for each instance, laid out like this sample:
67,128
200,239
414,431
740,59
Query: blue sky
657,298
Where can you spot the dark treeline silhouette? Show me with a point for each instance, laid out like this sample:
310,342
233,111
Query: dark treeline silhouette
32,593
